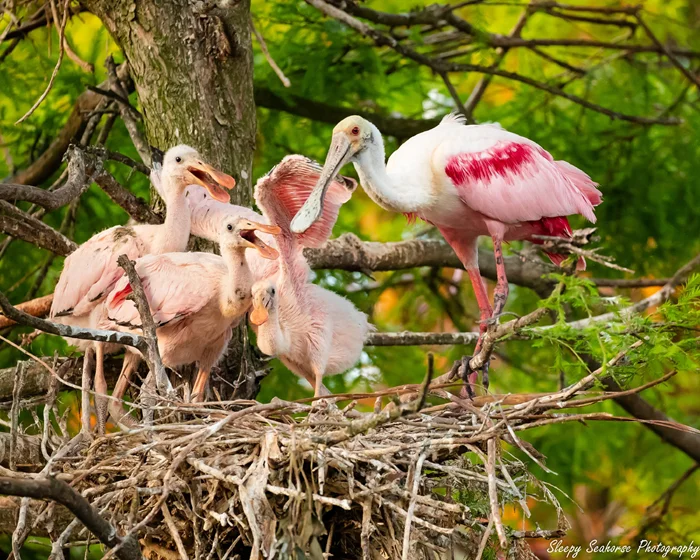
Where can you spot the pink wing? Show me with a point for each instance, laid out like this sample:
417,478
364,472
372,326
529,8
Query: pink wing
282,192
176,286
517,181
90,273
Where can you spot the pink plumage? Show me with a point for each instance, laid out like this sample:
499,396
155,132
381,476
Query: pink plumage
468,181
313,331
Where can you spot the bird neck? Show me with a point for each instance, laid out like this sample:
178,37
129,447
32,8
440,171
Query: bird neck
293,268
235,297
174,234
398,194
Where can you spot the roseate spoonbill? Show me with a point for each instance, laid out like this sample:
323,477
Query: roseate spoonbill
313,331
90,273
207,213
195,298
468,181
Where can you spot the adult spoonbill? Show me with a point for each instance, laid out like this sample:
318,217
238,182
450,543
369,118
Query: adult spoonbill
90,273
195,298
468,181
313,331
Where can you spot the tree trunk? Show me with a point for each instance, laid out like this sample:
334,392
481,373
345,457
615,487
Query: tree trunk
192,67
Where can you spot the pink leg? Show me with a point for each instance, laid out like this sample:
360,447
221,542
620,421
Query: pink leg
116,410
501,292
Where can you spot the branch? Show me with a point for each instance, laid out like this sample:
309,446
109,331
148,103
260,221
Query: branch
348,252
37,378
442,68
407,338
21,225
127,112
656,299
67,331
39,307
134,206
79,178
148,326
47,164
398,127
58,491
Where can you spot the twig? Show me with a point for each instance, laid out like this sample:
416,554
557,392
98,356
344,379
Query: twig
668,52
493,492
174,532
49,488
61,31
485,538
14,413
442,67
266,53
148,326
417,471
18,223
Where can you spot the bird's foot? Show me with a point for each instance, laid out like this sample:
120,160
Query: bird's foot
463,369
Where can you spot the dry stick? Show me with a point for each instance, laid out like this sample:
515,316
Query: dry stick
493,492
266,53
148,326
417,471
442,68
484,539
174,532
671,56
14,412
52,489
86,66
61,31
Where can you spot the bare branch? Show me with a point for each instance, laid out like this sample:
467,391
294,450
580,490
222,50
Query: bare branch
18,223
80,170
152,356
68,331
48,488
441,67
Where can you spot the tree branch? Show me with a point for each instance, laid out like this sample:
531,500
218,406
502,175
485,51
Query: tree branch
21,225
48,488
152,356
401,128
47,164
80,170
441,67
127,339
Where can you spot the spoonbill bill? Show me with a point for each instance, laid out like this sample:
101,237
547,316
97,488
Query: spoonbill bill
91,272
195,298
468,181
313,331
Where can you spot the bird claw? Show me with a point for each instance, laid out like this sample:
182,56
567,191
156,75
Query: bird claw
462,368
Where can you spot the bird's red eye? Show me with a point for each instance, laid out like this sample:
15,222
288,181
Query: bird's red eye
356,130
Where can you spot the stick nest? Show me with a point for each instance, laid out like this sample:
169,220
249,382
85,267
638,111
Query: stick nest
286,480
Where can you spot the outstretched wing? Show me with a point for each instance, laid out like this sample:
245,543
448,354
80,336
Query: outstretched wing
90,272
510,178
176,286
283,191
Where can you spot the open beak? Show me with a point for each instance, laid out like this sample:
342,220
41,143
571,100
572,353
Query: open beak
213,180
339,154
258,244
259,315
